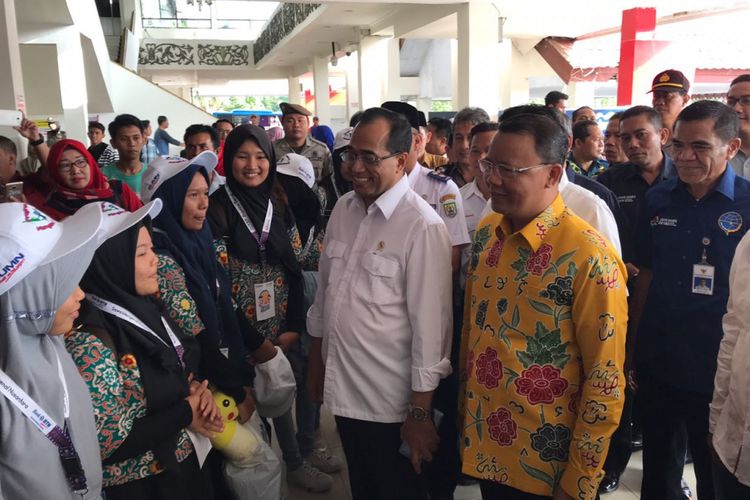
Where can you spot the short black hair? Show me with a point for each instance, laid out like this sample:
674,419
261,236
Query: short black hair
740,79
472,115
354,120
552,97
581,129
575,113
97,125
443,127
536,109
726,124
399,136
222,120
8,146
199,128
653,116
480,128
550,140
121,121
616,116
161,119
145,123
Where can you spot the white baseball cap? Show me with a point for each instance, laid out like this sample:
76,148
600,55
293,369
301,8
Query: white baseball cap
296,166
343,137
29,238
116,219
163,168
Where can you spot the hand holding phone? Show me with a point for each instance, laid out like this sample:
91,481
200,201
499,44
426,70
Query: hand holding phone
10,118
13,191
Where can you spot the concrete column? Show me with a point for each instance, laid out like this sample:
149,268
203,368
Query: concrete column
580,94
353,104
478,56
393,90
72,82
295,96
320,81
11,78
373,71
454,74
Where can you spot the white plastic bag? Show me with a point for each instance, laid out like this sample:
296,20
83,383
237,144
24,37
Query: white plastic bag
261,481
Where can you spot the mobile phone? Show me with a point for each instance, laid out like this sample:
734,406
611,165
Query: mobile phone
10,118
13,189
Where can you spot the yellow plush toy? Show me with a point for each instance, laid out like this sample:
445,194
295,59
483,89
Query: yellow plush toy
236,442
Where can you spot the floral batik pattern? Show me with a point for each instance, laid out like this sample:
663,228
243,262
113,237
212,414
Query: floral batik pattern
173,292
542,353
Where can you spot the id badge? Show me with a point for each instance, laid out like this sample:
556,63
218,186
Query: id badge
703,279
265,306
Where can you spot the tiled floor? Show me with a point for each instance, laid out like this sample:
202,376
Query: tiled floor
629,485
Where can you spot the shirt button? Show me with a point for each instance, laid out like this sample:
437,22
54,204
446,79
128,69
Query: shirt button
689,231
679,283
684,257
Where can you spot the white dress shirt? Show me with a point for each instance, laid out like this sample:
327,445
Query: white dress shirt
729,419
442,194
474,204
383,306
588,207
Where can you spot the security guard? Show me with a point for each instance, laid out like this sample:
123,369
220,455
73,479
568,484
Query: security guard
296,126
688,231
438,190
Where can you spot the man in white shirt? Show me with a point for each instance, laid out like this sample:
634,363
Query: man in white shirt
729,418
439,191
381,320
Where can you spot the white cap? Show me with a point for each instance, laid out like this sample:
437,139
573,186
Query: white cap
343,137
30,238
296,166
116,219
163,168
275,387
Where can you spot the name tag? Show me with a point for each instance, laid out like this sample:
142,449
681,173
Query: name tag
703,279
265,304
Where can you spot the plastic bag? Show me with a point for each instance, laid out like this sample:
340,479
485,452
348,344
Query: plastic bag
261,481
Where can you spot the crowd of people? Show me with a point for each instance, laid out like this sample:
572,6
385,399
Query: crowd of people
518,304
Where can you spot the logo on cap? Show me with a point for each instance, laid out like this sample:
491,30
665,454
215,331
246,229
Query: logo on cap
664,77
153,181
32,215
110,209
8,270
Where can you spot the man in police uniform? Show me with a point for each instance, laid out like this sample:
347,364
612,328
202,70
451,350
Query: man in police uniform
669,94
295,121
688,231
438,190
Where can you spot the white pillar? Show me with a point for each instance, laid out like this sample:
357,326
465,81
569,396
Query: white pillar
353,103
320,81
393,90
454,75
373,71
295,95
11,78
581,94
478,57
72,82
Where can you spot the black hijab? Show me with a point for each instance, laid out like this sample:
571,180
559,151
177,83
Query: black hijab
111,276
304,204
227,223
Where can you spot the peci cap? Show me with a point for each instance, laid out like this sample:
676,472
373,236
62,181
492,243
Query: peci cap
343,138
293,109
407,110
422,119
29,238
296,166
163,168
670,80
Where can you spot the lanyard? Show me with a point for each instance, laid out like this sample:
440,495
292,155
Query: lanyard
60,437
126,315
265,231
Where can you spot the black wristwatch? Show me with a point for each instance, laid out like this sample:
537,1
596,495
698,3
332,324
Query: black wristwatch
419,414
38,141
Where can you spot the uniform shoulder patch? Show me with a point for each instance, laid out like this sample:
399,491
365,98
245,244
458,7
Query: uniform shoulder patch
438,177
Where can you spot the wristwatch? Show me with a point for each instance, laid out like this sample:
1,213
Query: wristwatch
38,141
418,413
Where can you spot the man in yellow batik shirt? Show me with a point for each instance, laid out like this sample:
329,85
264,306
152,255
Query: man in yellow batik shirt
543,342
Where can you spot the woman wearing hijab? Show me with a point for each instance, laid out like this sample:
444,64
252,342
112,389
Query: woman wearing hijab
252,240
138,365
77,181
39,300
324,134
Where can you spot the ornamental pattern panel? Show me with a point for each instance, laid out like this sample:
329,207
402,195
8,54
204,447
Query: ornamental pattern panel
288,17
166,53
223,55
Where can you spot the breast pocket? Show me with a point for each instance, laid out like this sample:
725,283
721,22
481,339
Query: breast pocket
335,251
381,280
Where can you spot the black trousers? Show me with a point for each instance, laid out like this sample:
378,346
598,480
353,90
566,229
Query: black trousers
444,470
620,447
377,471
726,485
673,419
496,491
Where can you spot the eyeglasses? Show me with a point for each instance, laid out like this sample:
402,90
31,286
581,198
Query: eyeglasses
80,164
368,159
744,100
489,168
